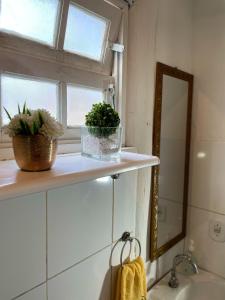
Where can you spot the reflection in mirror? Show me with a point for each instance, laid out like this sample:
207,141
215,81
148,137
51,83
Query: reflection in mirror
171,143
172,158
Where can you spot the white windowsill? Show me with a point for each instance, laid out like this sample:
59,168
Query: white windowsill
68,169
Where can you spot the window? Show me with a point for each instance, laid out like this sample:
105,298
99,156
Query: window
40,93
37,94
68,62
33,19
85,33
79,101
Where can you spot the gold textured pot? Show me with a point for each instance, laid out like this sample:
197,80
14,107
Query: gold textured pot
34,153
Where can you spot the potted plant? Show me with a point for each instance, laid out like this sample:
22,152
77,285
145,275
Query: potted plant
101,138
34,136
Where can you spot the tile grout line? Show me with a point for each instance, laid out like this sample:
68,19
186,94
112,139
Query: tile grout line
46,258
65,270
77,263
26,292
206,210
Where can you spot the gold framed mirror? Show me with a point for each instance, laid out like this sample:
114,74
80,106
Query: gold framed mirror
171,142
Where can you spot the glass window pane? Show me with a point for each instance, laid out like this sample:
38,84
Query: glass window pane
33,19
85,33
37,94
79,102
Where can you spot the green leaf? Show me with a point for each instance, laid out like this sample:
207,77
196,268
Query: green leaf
8,114
104,118
28,112
27,128
19,111
23,127
41,121
34,128
24,107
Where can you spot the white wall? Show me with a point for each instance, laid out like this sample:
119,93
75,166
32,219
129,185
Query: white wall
208,164
159,30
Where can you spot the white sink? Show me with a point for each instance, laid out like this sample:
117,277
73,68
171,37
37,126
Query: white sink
204,286
203,291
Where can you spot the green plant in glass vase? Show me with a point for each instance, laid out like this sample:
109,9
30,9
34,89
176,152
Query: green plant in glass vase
101,138
102,120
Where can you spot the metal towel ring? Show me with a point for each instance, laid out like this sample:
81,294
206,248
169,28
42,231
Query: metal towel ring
127,238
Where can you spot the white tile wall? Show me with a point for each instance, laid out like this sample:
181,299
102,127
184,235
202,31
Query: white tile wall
23,244
39,293
209,253
166,260
125,191
162,265
79,222
207,176
159,40
207,189
89,280
79,239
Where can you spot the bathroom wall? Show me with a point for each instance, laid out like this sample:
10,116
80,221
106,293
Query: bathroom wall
159,30
207,191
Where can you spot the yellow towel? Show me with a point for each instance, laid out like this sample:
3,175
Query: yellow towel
131,281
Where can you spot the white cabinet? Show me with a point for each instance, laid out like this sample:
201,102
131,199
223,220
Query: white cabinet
125,194
79,222
88,280
39,293
23,244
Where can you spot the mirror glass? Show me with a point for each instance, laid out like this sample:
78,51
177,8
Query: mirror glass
171,142
172,158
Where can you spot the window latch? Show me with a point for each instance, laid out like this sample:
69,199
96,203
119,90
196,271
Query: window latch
116,47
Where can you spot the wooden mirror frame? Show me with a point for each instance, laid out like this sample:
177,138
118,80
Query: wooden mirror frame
161,70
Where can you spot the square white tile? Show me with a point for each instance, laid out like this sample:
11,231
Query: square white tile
79,222
87,280
207,188
125,196
23,244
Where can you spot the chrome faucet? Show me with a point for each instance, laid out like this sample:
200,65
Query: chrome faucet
173,282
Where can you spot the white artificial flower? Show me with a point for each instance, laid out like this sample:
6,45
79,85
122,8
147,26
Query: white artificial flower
50,127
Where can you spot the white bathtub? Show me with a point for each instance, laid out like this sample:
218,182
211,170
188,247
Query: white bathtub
204,286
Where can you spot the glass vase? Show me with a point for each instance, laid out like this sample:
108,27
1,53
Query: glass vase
103,143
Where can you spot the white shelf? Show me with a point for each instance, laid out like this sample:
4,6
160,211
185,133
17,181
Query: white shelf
68,169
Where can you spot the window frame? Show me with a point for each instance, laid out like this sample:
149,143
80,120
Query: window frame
70,133
31,78
85,87
55,33
23,57
57,53
106,34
